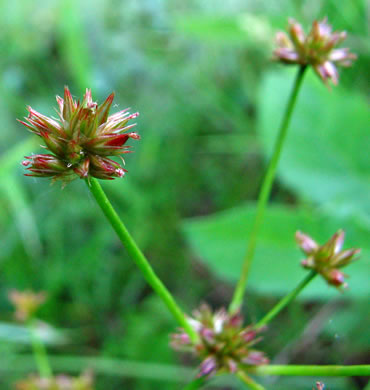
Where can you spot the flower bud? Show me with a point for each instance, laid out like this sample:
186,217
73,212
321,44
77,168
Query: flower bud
315,49
60,382
45,165
26,303
328,258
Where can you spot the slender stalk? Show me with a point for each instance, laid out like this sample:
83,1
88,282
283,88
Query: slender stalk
264,193
249,381
286,300
39,352
20,363
138,256
293,370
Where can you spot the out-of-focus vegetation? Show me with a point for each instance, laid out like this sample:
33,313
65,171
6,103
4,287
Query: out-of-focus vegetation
210,101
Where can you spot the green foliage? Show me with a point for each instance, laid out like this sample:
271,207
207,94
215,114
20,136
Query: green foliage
220,241
326,156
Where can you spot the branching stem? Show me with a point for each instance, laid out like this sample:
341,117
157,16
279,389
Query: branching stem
39,352
293,370
264,193
137,255
249,381
286,300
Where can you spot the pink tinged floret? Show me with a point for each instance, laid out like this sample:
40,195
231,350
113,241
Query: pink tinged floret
283,40
103,110
307,263
319,386
60,102
336,278
232,365
306,243
118,121
45,161
207,335
338,241
82,170
345,257
287,55
255,358
180,339
296,33
236,320
42,120
87,100
117,140
53,144
208,367
249,336
69,105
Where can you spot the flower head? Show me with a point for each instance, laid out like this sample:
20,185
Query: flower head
60,382
224,343
316,49
80,140
26,303
319,386
328,258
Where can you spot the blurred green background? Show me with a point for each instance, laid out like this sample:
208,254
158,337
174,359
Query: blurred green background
210,100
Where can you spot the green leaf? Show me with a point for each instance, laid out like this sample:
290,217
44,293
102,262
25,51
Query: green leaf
327,152
350,325
244,29
220,241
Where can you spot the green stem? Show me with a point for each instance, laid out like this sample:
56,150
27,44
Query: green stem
293,370
133,369
138,256
249,381
264,193
286,300
39,352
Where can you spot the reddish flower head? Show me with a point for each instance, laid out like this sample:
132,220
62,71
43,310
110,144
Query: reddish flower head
26,303
224,344
316,49
328,258
59,382
80,140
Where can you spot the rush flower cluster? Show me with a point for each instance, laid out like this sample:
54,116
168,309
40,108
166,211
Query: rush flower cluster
81,139
224,344
328,258
60,382
26,303
316,49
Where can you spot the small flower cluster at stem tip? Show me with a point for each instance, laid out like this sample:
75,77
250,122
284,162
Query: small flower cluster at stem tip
224,344
316,49
319,386
328,258
60,382
26,303
81,139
